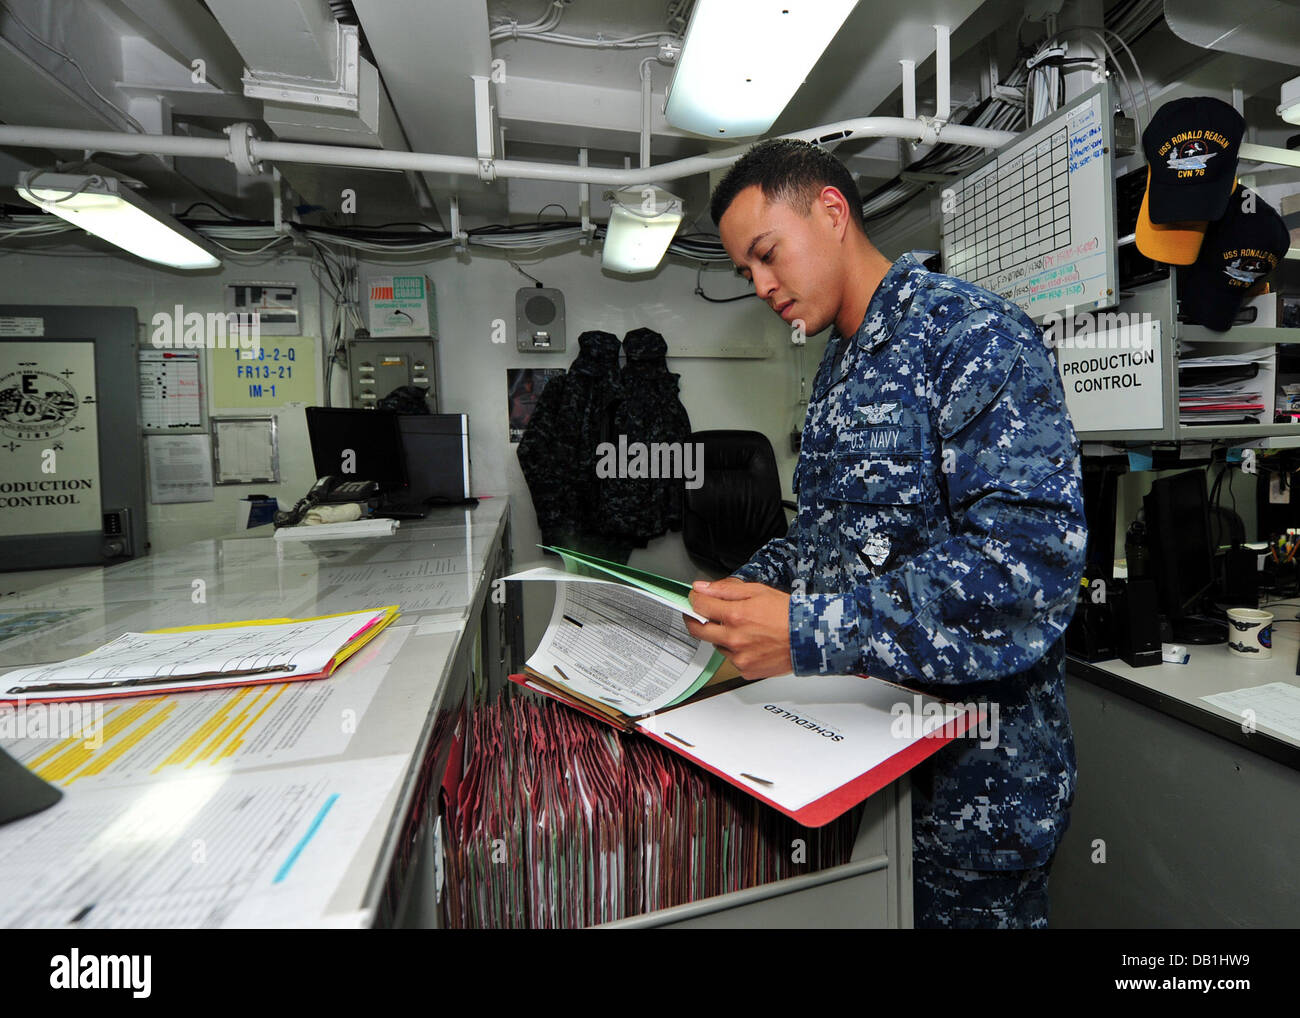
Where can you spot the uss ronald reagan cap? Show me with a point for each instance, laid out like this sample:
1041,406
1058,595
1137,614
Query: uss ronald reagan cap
1238,252
1171,243
1191,146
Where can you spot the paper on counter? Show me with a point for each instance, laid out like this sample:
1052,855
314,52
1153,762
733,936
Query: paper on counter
266,848
298,648
335,531
1276,706
142,739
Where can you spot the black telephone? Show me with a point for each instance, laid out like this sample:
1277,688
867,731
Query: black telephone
329,489
335,489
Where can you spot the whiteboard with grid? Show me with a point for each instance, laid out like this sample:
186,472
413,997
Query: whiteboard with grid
1035,223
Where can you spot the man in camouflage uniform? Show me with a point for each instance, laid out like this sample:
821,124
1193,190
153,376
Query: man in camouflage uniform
940,534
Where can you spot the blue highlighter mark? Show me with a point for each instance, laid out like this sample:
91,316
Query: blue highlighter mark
311,832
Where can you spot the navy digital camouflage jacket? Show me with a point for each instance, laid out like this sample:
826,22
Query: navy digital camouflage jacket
939,543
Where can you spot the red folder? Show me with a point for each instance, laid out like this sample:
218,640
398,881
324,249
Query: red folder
811,747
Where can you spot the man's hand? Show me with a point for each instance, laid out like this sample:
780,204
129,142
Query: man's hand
748,622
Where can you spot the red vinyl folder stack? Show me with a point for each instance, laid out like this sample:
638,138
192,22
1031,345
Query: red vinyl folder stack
551,819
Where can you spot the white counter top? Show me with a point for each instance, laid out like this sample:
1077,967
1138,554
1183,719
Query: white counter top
328,767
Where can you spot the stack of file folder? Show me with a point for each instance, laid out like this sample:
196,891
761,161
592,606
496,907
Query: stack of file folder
202,657
1227,389
554,820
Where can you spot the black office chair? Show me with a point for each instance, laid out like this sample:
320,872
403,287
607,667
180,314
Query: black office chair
738,508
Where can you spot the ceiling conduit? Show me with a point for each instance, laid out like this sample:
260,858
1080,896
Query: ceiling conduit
1264,29
246,151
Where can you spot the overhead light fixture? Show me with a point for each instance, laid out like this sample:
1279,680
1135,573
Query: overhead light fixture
1290,108
642,222
739,68
100,205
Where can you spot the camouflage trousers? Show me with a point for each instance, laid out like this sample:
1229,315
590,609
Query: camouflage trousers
953,899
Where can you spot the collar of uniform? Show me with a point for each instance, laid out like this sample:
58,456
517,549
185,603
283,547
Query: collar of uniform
889,302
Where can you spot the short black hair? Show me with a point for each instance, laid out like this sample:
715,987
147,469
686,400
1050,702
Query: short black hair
787,170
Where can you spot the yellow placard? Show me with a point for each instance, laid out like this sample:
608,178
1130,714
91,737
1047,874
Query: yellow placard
280,370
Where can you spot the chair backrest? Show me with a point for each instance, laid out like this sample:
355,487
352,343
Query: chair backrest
737,509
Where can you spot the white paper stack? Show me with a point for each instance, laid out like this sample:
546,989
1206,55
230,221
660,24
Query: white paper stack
334,531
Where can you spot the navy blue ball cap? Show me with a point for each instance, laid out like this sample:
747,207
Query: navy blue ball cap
1238,252
1191,145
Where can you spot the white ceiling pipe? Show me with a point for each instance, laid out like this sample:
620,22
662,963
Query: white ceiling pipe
646,107
909,89
113,141
942,93
860,127
255,151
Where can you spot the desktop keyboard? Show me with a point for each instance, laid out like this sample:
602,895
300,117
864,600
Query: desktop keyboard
403,511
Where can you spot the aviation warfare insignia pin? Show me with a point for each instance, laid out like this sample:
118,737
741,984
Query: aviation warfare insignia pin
879,413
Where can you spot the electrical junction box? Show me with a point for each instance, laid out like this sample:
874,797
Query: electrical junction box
275,304
378,366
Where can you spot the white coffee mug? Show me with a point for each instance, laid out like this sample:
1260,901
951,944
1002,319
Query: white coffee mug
1250,633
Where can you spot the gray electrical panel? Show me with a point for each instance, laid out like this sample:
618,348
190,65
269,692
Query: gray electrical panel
378,366
72,475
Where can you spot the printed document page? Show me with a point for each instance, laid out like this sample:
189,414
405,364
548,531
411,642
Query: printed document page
303,647
101,743
1275,706
618,646
264,848
665,598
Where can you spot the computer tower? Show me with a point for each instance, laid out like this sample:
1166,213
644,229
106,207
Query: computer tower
1136,615
436,448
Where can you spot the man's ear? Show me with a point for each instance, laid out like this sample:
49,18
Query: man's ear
836,208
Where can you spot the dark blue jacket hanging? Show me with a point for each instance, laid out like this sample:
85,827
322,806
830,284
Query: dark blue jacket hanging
557,452
656,430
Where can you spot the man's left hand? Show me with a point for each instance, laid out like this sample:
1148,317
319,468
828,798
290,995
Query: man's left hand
748,622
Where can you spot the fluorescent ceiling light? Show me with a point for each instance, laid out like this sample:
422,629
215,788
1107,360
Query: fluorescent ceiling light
741,63
1290,108
100,205
642,221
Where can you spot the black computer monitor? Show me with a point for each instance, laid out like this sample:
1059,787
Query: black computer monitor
1100,483
1182,556
372,437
